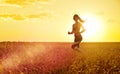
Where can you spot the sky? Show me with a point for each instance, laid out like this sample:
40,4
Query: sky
50,20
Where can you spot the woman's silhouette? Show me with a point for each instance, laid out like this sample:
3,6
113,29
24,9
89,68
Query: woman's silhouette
76,31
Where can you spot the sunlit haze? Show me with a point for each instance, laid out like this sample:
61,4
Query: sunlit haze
50,20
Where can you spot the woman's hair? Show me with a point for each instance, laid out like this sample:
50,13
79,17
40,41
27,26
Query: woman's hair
76,15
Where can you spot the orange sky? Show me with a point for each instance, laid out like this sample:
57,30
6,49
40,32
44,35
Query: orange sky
50,20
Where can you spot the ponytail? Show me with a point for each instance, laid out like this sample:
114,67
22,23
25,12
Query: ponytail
80,19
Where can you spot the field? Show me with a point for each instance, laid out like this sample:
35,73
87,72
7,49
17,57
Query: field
59,58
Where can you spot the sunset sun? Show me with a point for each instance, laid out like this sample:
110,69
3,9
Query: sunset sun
93,27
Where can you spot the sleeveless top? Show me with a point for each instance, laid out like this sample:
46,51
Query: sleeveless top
76,28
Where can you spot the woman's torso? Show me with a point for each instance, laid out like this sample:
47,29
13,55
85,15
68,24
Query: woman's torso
76,28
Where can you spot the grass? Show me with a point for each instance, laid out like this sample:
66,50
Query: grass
59,58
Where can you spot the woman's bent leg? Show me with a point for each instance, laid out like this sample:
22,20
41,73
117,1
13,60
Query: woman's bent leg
76,44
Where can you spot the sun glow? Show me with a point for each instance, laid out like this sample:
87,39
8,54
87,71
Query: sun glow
93,27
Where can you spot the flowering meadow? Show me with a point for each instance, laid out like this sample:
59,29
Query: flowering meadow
59,58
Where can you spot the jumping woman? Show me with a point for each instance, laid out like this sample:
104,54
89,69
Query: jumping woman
77,26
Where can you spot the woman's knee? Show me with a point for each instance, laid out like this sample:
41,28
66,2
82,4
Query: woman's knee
76,44
73,46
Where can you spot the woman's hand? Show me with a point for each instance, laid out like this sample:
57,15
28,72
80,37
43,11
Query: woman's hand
83,30
69,32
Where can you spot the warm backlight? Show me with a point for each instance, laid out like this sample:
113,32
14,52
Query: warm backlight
93,27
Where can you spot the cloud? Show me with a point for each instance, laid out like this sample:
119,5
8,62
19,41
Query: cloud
23,2
18,9
9,5
19,17
38,15
12,16
111,21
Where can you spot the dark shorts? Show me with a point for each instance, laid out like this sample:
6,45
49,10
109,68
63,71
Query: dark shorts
78,38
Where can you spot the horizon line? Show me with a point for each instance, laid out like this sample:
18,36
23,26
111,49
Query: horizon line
59,42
